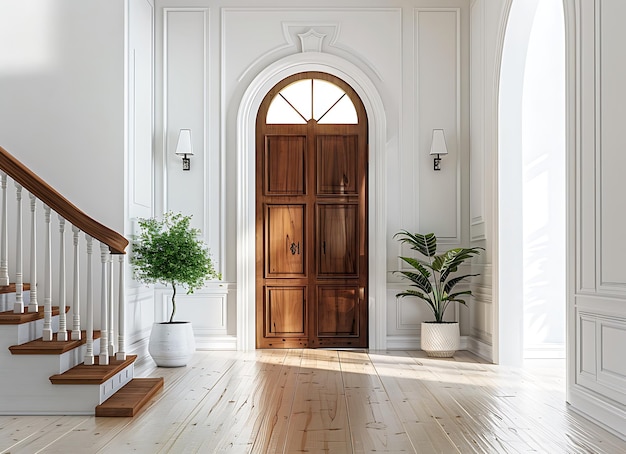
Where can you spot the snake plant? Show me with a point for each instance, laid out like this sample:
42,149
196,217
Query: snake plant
433,279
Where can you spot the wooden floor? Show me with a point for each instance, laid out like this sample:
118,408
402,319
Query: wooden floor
323,401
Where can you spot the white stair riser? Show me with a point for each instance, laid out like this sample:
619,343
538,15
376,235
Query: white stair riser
37,397
115,383
45,365
7,300
21,334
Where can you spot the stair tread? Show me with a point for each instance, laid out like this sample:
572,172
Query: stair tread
92,375
11,288
130,399
53,347
11,318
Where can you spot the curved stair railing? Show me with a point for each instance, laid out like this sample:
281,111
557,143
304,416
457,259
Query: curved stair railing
112,244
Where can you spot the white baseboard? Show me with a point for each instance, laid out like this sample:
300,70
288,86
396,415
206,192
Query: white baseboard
413,343
403,343
480,348
603,412
216,342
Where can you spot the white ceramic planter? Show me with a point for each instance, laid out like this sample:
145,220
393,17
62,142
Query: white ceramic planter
440,340
171,344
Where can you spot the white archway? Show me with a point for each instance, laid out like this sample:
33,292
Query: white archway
377,218
522,141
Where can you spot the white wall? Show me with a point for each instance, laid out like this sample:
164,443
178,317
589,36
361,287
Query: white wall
596,273
487,27
76,107
415,53
62,98
139,167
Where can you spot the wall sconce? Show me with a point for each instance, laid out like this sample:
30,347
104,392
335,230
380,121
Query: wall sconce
183,147
438,147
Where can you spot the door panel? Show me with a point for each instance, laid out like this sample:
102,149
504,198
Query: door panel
337,161
286,312
284,164
285,246
338,240
337,311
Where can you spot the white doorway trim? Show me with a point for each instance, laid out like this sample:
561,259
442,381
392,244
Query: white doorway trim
377,189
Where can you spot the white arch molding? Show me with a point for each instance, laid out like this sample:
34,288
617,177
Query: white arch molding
377,188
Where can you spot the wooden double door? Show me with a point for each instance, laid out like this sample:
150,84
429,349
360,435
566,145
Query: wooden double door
311,231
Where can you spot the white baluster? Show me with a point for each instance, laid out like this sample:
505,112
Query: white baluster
104,330
76,295
47,285
121,329
111,309
4,251
62,335
19,276
33,306
89,359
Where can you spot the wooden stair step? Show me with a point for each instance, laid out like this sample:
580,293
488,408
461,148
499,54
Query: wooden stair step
11,318
130,399
92,375
53,347
11,288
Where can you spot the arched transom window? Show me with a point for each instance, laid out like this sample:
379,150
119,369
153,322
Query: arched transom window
311,99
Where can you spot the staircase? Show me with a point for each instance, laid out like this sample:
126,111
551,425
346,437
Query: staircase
51,363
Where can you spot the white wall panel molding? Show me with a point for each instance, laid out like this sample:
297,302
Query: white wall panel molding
186,81
582,139
481,305
596,295
140,107
610,157
209,310
140,314
599,361
478,99
291,31
438,105
600,305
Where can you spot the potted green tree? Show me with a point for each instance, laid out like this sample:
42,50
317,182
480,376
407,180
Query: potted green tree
433,280
170,252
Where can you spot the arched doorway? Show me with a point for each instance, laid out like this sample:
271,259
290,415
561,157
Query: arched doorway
311,215
531,184
246,189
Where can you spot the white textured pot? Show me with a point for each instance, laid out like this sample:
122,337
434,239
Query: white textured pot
440,339
171,344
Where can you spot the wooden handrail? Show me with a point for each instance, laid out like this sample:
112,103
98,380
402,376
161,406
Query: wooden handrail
48,195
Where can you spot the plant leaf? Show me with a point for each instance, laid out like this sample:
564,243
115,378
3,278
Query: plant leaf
425,244
418,280
422,267
452,282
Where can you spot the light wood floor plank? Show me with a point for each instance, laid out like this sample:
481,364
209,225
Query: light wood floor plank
374,424
31,433
319,420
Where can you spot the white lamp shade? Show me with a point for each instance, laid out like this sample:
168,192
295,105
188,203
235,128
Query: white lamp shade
183,147
438,146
